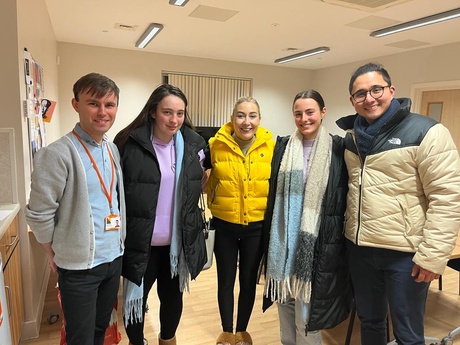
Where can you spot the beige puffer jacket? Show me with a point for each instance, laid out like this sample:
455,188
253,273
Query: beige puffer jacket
406,196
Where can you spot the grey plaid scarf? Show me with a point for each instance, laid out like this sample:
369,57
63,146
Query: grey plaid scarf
296,219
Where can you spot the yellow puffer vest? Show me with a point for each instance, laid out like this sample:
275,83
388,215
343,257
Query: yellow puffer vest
238,184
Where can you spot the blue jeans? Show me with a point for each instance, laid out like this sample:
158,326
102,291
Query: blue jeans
88,298
381,279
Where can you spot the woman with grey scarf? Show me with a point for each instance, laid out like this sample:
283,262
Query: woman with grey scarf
305,267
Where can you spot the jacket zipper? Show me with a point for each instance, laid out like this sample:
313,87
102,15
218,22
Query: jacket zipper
360,183
359,203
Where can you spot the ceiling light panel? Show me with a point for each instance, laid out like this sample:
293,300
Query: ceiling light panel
178,2
302,55
213,13
433,19
148,35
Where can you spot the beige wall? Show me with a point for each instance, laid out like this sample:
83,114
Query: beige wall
34,31
429,65
137,73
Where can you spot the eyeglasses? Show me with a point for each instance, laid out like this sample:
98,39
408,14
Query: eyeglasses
376,92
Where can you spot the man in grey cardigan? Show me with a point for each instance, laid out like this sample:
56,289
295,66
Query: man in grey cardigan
77,211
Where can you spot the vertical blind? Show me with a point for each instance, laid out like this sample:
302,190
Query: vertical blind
210,98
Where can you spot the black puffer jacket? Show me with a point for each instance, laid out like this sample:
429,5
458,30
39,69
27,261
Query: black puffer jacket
331,290
141,194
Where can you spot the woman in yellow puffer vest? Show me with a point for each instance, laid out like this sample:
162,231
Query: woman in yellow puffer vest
240,158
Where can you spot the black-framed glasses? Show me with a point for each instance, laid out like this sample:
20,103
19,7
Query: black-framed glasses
376,92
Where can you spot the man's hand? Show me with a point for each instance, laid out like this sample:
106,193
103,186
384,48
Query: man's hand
52,264
423,275
50,251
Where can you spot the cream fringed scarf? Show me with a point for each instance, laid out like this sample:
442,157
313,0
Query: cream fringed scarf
296,219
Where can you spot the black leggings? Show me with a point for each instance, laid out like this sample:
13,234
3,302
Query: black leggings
158,268
237,245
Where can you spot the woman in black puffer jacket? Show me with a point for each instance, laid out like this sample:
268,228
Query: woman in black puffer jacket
162,168
305,265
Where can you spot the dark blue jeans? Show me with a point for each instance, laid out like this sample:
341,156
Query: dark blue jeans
237,246
88,298
381,280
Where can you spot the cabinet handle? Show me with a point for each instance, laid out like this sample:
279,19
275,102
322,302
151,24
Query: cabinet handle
13,242
10,304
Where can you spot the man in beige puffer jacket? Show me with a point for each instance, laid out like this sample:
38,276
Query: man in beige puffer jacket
403,206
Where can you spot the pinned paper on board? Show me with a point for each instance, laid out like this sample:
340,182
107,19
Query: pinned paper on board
47,109
33,105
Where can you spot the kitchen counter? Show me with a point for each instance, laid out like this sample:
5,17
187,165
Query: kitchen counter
10,210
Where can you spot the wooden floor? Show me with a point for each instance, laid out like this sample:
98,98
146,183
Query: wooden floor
200,323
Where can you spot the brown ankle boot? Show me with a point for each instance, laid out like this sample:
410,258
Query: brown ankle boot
171,341
243,338
225,338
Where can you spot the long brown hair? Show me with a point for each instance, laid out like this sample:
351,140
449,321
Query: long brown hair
150,108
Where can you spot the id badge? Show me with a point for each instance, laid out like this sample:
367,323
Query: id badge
112,222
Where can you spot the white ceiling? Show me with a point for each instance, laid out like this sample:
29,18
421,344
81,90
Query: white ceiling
260,31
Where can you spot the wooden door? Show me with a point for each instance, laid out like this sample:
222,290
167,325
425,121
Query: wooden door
444,106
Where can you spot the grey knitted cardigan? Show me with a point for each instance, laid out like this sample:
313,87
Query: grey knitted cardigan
59,210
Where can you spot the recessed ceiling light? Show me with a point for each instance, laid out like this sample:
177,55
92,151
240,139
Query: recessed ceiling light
178,2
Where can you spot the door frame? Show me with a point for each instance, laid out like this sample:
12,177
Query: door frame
418,89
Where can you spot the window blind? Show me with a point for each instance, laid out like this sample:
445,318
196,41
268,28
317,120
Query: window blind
210,98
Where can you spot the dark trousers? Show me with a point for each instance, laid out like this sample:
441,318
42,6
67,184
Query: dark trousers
241,246
88,298
158,269
381,280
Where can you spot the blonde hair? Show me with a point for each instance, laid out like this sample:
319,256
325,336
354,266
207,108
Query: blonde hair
243,100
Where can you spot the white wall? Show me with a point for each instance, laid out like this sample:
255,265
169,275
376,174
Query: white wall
137,74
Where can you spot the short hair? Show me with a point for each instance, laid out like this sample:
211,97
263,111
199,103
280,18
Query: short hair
367,68
243,100
96,85
310,93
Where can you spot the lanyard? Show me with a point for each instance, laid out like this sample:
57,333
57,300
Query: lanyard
107,194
